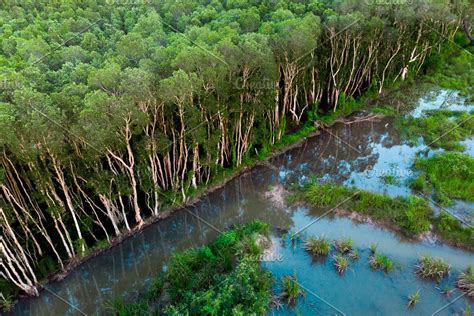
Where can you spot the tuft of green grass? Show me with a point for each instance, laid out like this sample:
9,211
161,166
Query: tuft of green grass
373,248
413,298
344,245
6,302
325,194
291,289
318,246
354,254
466,281
380,261
451,174
390,179
432,268
340,263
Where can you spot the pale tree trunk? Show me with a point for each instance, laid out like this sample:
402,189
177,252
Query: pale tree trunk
65,189
130,170
14,263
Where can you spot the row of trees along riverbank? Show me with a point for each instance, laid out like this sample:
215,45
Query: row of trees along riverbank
110,111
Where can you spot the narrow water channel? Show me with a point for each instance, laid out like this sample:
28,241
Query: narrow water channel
357,154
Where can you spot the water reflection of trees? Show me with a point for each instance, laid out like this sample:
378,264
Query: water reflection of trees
351,144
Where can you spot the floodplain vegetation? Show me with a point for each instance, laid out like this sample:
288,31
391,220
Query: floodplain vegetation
222,278
439,128
411,215
147,103
450,175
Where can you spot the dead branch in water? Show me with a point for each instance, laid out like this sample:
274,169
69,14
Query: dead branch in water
371,117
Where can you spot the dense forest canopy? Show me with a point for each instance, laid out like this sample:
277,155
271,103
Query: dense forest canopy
111,110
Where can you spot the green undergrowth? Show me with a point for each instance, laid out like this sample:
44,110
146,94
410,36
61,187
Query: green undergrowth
346,106
412,214
438,129
450,174
457,71
223,278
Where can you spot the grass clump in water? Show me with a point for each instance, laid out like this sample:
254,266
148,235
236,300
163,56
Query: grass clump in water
390,179
466,281
373,248
413,298
291,289
318,246
344,245
432,268
224,277
380,261
354,254
450,174
340,263
325,194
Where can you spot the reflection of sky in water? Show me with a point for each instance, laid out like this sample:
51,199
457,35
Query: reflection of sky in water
444,100
469,146
394,161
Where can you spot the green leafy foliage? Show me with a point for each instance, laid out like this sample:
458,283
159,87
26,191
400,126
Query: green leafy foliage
223,278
